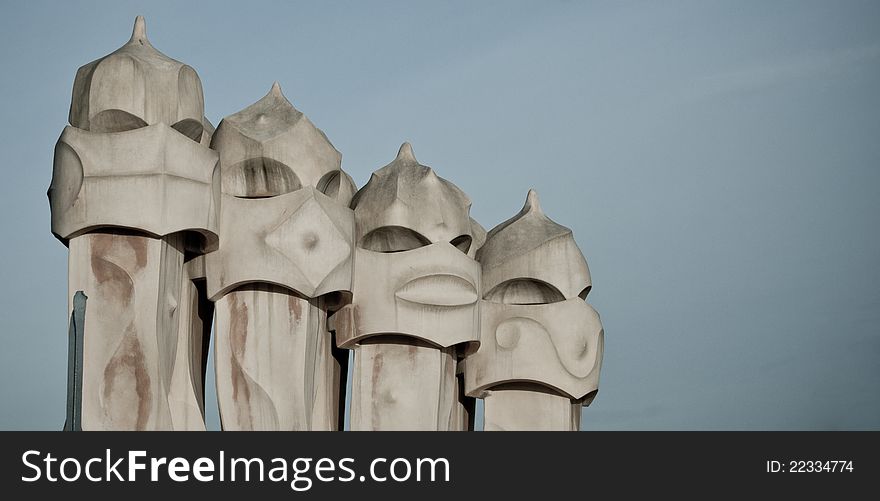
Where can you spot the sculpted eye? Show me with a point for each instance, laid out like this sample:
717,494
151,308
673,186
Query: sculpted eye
462,242
115,121
585,292
259,178
190,128
393,239
524,291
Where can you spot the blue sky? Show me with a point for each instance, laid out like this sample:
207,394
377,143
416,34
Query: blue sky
718,162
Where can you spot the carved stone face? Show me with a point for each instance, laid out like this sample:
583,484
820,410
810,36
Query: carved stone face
414,274
535,325
284,216
429,293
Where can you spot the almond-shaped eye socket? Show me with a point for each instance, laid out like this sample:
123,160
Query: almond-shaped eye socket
259,178
524,291
190,128
393,239
585,292
462,242
115,121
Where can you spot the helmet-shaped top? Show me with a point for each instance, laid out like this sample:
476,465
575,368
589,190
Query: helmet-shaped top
406,205
136,86
270,148
530,259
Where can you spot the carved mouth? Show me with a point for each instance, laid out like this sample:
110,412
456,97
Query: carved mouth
438,290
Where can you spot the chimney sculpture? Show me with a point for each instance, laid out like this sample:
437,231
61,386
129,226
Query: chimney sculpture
171,224
284,263
134,196
414,299
541,344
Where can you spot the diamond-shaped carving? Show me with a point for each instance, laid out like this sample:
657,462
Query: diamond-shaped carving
310,241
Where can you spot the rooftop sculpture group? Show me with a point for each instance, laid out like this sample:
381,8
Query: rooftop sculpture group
254,227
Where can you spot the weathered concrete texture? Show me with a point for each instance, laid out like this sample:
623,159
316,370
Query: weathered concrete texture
274,362
132,192
536,330
287,237
414,299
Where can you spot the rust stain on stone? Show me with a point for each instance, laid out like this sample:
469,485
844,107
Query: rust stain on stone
139,246
376,380
238,327
127,368
294,304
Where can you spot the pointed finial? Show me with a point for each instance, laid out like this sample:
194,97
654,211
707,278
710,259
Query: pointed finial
406,153
276,89
532,203
139,32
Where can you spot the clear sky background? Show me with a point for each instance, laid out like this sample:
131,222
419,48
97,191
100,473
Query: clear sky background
719,163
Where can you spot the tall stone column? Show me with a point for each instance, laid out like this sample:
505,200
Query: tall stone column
414,299
541,344
133,194
284,264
